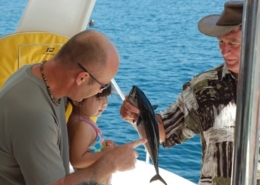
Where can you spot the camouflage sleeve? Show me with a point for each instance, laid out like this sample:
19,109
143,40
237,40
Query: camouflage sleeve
180,119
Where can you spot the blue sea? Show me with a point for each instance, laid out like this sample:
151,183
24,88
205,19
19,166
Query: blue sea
160,49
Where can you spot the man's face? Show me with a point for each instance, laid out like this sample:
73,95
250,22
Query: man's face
88,85
92,88
230,45
85,86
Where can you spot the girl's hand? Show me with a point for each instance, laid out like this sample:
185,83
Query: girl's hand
110,143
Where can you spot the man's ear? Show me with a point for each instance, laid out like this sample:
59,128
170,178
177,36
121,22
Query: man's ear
81,78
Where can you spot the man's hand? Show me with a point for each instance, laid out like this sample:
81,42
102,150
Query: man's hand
128,111
124,156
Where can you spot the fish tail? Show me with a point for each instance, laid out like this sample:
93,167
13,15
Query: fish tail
158,177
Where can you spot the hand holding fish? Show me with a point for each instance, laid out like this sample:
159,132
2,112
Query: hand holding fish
128,111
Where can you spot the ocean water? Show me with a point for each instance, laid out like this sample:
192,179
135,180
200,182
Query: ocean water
160,49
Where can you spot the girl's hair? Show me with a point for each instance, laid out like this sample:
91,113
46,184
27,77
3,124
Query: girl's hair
106,92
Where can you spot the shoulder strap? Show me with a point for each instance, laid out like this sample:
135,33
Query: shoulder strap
88,121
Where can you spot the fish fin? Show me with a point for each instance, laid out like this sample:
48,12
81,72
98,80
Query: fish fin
158,177
139,120
157,120
154,107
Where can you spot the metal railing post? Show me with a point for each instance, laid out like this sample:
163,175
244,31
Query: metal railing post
246,144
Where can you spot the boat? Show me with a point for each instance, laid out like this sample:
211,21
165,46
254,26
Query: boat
246,145
39,35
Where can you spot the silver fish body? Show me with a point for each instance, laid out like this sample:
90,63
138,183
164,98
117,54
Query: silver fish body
147,126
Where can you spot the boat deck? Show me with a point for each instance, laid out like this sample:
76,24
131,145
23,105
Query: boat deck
142,175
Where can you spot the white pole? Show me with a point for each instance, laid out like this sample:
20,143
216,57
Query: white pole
118,90
246,146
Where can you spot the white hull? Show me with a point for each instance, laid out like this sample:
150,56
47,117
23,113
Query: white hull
142,175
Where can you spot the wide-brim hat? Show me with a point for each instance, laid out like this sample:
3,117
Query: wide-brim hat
217,25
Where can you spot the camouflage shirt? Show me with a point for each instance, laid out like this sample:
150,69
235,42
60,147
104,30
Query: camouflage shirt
206,106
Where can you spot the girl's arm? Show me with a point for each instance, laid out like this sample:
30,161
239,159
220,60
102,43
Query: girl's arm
81,136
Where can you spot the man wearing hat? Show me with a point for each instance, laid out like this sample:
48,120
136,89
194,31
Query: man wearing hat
207,104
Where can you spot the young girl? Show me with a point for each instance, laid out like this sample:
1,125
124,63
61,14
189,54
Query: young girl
87,143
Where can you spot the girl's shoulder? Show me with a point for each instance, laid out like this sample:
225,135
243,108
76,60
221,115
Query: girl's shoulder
79,122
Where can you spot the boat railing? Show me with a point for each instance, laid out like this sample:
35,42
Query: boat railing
244,169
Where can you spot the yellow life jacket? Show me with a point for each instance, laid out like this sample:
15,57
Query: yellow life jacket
21,48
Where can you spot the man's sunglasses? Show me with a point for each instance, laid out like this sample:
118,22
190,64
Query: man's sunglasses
103,86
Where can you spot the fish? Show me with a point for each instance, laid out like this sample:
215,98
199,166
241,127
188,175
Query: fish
147,126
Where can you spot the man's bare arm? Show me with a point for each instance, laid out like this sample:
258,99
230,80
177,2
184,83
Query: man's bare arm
121,158
162,134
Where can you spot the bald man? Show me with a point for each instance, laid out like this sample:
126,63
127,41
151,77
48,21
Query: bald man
33,136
